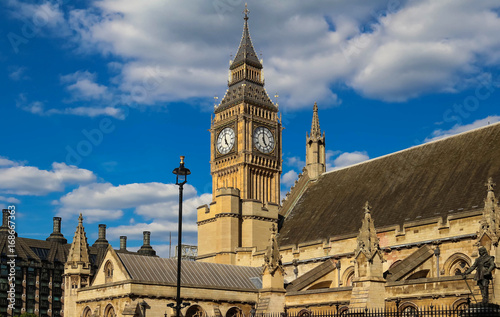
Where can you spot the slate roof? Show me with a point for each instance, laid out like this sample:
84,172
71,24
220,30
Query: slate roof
198,274
246,52
434,179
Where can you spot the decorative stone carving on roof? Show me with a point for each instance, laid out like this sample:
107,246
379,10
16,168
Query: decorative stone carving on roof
315,129
272,258
490,220
368,242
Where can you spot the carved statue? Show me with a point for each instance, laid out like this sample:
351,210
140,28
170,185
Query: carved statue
483,265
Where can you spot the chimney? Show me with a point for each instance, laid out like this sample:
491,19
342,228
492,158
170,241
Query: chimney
56,235
4,229
123,243
101,241
56,225
146,248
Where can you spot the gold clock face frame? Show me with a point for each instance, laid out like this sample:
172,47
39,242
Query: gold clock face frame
264,140
225,140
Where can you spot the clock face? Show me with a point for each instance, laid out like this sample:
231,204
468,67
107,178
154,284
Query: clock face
225,140
263,139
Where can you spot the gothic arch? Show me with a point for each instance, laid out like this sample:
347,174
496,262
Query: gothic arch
348,276
456,262
195,311
109,311
87,312
408,309
460,304
304,313
108,271
234,312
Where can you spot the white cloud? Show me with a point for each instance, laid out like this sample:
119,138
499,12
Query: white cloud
17,73
295,161
83,86
439,134
11,200
176,50
345,159
150,200
30,180
6,162
289,178
38,108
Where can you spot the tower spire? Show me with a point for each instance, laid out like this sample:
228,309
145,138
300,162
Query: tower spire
315,148
315,129
79,251
246,52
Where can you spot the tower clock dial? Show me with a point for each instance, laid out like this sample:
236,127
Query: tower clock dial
225,140
263,140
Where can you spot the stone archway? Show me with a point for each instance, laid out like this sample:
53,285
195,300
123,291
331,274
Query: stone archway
195,311
234,312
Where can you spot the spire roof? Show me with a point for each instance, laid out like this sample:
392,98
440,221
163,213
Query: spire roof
79,252
246,52
315,129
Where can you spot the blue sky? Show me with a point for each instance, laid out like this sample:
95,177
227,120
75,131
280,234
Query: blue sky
100,98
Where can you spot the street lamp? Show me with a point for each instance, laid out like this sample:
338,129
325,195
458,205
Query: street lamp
181,178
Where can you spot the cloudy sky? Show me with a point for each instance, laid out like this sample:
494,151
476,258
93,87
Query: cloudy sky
100,98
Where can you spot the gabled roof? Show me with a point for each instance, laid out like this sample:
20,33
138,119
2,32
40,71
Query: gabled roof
435,179
198,274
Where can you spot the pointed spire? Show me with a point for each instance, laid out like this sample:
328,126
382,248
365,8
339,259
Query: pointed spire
315,129
368,242
79,251
272,257
491,214
246,52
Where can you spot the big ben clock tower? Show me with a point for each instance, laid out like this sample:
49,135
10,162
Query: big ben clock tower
245,163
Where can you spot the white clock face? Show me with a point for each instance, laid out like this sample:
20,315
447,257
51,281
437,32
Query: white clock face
263,140
225,140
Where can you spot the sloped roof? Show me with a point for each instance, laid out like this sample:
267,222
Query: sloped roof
434,179
246,52
199,274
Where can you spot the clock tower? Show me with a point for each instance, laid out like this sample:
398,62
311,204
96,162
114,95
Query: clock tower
245,163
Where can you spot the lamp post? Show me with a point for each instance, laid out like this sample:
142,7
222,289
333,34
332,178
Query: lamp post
181,178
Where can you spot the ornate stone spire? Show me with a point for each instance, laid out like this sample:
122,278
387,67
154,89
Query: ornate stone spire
79,251
315,148
368,242
315,129
273,257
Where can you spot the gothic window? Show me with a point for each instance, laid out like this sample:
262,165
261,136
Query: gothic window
87,312
234,312
409,311
304,313
110,311
456,264
348,276
195,311
108,271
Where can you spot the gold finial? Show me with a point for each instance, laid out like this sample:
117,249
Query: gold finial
490,184
182,159
246,11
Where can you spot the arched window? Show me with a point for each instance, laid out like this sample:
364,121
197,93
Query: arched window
87,312
110,311
456,264
408,309
195,311
234,312
304,313
348,276
108,271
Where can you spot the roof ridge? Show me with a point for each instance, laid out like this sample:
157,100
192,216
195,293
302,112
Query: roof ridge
414,147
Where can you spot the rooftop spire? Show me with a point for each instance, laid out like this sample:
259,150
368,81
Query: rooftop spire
79,252
315,129
246,52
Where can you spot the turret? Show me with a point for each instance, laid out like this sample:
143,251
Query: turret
315,148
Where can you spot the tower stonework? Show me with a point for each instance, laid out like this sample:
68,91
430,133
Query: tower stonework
315,148
245,163
76,270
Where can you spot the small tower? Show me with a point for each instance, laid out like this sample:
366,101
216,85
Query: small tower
489,234
315,148
368,283
56,235
101,241
76,269
146,248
